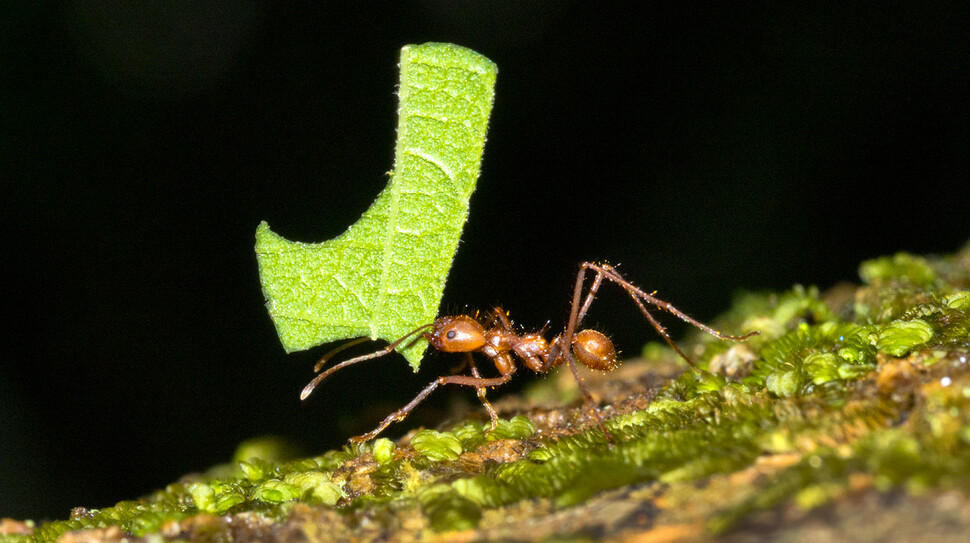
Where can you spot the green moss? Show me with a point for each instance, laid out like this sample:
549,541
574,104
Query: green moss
819,469
958,300
518,427
823,367
929,452
137,517
383,450
473,434
809,357
256,469
447,510
216,497
276,491
673,439
901,267
825,386
315,487
900,337
774,314
437,446
271,449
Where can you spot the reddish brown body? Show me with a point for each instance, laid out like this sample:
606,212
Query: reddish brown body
463,334
497,341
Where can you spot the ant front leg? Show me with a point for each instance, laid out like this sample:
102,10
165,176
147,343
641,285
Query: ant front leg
402,413
469,361
481,395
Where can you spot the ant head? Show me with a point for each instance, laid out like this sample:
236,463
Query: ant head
460,334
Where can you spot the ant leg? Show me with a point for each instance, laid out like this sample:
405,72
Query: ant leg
639,296
635,292
663,332
586,395
575,316
609,273
400,414
564,346
481,395
307,390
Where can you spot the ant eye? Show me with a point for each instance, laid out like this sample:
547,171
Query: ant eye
450,334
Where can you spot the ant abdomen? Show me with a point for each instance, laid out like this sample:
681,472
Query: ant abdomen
595,351
591,349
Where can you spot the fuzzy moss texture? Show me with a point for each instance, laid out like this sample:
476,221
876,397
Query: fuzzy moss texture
849,416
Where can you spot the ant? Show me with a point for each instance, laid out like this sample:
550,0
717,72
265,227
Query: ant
495,338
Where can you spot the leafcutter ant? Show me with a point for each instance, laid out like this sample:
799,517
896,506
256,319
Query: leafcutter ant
495,338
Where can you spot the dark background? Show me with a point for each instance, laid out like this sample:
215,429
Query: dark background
706,151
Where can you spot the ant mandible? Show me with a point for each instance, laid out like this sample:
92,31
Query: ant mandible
502,345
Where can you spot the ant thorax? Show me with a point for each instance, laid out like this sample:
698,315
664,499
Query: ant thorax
533,349
499,345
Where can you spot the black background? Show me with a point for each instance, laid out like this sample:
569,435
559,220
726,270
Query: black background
705,150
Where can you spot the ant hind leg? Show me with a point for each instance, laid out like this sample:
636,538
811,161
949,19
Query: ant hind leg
587,397
639,297
563,348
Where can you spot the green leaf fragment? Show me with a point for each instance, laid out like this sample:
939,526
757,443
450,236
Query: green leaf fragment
385,275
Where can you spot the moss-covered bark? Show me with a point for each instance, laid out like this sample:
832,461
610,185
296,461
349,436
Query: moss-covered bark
849,416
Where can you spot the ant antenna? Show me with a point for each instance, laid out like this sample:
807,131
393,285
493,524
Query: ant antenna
307,390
